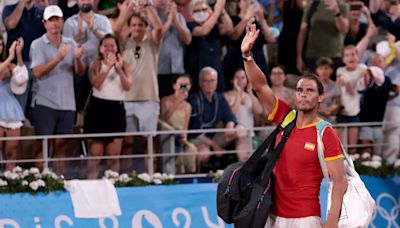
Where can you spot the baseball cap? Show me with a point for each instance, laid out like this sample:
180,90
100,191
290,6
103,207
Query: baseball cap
19,80
52,11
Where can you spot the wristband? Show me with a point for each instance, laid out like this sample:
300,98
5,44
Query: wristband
247,58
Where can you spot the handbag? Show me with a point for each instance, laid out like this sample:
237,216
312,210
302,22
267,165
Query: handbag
80,115
244,193
358,205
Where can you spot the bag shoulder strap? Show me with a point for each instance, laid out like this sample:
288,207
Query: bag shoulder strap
321,126
252,161
267,172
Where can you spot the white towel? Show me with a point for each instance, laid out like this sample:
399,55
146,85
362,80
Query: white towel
94,198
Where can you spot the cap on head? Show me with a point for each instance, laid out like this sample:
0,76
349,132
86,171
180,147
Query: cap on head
19,80
52,11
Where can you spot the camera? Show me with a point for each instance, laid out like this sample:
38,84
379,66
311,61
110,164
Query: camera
184,87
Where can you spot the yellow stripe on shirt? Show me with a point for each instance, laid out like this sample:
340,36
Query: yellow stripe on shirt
272,114
334,157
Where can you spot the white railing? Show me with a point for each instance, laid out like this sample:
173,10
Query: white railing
150,156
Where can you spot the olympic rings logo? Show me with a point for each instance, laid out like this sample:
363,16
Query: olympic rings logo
392,216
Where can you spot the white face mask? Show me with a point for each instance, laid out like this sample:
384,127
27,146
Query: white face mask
200,17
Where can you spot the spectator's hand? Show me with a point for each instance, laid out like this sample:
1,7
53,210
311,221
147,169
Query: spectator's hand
110,59
365,10
172,11
20,45
249,15
340,80
249,39
372,30
332,6
236,85
216,148
119,63
300,64
11,51
81,30
391,38
63,51
259,13
249,88
80,50
90,22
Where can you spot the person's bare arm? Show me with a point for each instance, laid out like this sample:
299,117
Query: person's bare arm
254,74
12,21
342,23
124,73
336,171
79,66
241,26
364,42
157,31
97,76
374,5
266,30
225,24
5,66
207,26
301,39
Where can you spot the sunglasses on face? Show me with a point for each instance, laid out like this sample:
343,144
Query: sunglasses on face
137,52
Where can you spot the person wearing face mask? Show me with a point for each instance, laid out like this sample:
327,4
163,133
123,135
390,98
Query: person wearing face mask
86,28
207,28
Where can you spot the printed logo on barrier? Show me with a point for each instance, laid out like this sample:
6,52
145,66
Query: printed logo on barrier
391,216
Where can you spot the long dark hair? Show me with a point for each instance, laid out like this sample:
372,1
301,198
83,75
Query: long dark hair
108,36
3,53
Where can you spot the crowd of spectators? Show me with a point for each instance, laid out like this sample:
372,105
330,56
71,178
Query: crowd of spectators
143,66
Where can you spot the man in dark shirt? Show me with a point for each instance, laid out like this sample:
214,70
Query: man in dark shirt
211,110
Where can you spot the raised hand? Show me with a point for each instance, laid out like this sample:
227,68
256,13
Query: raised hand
119,63
81,30
110,59
80,50
20,45
11,50
332,6
236,85
249,39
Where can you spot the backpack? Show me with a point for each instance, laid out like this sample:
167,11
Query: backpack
358,205
244,193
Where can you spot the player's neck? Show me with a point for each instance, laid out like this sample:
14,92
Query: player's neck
305,119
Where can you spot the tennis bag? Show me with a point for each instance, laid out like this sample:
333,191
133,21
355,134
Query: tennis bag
244,193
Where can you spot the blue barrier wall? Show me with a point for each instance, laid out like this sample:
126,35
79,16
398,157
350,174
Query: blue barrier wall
186,205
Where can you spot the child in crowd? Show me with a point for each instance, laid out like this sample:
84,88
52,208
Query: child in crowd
13,80
350,80
330,107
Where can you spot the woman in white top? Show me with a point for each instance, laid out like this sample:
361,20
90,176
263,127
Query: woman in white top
11,114
243,103
110,78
